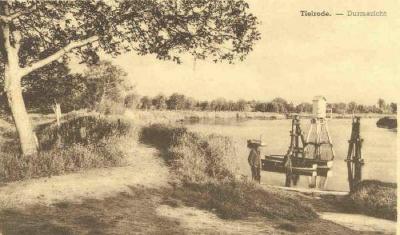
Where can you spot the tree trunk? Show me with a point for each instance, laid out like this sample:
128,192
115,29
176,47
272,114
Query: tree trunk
12,86
28,140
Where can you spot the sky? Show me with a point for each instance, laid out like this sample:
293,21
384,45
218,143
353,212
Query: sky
340,57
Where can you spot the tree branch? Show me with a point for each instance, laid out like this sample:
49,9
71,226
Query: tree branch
57,55
11,17
39,33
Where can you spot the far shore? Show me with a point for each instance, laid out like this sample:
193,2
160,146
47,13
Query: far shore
185,115
173,116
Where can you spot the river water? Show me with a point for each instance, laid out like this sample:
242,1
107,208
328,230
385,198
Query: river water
378,150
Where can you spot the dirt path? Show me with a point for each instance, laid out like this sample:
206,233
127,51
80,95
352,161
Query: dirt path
361,222
132,212
144,169
198,221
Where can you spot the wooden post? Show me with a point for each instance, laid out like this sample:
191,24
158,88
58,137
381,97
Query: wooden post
354,159
57,112
296,150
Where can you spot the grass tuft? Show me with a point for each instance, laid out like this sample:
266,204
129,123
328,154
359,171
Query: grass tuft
376,198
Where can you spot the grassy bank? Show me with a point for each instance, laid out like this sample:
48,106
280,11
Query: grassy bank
201,163
375,198
194,158
370,197
239,199
80,143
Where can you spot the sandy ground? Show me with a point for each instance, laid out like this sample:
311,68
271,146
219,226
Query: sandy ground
198,221
144,169
361,222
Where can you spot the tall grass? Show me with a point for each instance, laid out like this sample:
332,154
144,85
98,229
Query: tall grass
202,163
68,149
83,130
376,198
194,158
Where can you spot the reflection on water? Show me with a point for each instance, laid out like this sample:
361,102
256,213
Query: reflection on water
378,150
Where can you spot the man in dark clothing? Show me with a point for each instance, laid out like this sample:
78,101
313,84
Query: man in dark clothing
255,162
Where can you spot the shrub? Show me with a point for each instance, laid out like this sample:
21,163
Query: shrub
162,136
83,130
376,198
387,122
110,107
58,161
193,157
104,145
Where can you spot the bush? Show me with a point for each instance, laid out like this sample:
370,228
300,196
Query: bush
194,158
103,146
81,130
376,198
162,136
387,122
110,107
58,161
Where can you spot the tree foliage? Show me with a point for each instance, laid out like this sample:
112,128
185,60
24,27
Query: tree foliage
178,101
393,107
47,85
106,86
54,84
94,89
222,30
160,102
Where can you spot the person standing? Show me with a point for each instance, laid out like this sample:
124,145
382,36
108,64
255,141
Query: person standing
255,161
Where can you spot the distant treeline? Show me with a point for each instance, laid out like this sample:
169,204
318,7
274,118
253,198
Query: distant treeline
178,101
104,88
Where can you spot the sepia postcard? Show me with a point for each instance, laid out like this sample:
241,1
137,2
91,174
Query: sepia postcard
198,117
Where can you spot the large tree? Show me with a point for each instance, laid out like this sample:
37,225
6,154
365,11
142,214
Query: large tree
176,101
105,83
37,33
99,84
159,102
67,89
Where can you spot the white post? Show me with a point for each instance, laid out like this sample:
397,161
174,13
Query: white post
57,112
